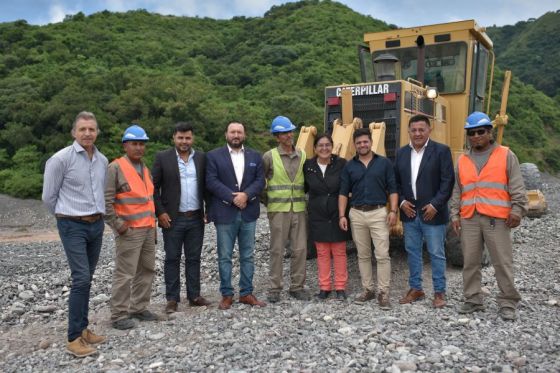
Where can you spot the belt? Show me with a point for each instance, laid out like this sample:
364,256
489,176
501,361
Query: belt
88,218
189,214
368,207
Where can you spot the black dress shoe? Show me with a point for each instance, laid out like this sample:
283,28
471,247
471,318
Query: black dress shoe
323,294
199,302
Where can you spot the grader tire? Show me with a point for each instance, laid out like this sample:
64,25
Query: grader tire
531,176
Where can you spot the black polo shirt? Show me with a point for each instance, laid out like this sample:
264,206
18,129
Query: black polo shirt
371,185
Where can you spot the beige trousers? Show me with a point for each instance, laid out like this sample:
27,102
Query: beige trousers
284,226
370,226
475,232
135,258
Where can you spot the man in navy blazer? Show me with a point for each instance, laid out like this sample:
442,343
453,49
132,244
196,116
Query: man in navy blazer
235,179
425,178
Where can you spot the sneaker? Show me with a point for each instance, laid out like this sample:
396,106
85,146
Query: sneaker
299,295
92,338
367,295
508,313
145,315
340,295
323,294
123,324
80,348
273,297
383,300
469,307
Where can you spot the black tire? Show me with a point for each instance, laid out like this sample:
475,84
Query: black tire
531,176
454,253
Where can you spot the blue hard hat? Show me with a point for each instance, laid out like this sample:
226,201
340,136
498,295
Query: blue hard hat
281,124
135,133
477,119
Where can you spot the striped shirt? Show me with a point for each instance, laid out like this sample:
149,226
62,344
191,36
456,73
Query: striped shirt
73,184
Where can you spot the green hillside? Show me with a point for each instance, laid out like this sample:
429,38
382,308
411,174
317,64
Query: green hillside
157,70
531,49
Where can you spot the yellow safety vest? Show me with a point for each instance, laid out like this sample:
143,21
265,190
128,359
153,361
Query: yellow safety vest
283,193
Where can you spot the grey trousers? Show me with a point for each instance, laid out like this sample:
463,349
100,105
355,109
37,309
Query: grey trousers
475,232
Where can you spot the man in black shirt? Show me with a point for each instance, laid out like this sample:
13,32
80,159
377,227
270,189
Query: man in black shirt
369,177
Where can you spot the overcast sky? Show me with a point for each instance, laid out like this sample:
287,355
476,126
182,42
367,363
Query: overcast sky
403,13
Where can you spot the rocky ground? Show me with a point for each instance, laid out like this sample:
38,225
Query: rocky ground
288,336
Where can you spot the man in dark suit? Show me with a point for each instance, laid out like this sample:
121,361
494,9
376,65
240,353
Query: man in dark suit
179,190
425,177
235,179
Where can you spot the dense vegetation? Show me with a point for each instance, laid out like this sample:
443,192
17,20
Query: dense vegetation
531,49
156,70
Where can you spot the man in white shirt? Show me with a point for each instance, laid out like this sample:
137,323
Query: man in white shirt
425,177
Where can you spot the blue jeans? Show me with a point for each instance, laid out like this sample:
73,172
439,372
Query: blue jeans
244,232
82,244
185,234
415,233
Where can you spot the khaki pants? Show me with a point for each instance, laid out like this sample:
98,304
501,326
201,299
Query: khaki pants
370,226
134,272
475,232
284,226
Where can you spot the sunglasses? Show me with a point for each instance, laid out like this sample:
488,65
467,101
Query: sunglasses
476,132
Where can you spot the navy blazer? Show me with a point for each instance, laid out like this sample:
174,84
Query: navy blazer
434,183
221,183
167,186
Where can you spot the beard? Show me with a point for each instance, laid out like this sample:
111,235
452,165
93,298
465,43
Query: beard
235,144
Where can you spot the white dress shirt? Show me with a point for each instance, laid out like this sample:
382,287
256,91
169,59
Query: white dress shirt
415,160
238,160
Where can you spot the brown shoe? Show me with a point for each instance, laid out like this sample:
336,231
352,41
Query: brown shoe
367,295
412,296
439,300
80,348
171,306
251,300
92,338
383,300
226,302
199,302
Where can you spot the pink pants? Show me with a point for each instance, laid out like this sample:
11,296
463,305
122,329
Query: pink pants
338,252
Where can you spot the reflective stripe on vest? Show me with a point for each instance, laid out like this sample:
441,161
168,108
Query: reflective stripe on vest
487,192
283,194
136,206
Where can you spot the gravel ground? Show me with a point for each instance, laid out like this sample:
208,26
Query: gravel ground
290,335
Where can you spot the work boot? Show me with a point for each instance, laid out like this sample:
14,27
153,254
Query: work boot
145,315
80,348
123,324
299,295
171,306
383,300
439,300
469,307
92,338
273,297
507,314
366,296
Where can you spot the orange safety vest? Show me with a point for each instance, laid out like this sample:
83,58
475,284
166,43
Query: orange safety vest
487,192
136,206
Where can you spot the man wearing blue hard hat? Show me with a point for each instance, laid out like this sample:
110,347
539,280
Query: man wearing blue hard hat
285,202
131,213
488,200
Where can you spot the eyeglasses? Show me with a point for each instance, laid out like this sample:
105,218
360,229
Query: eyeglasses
327,145
476,132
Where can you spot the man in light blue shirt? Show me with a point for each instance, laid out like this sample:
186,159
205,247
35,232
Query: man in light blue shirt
73,188
179,191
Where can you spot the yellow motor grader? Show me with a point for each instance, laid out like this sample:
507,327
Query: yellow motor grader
443,71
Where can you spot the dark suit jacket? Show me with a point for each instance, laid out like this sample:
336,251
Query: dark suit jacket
221,183
167,186
434,183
